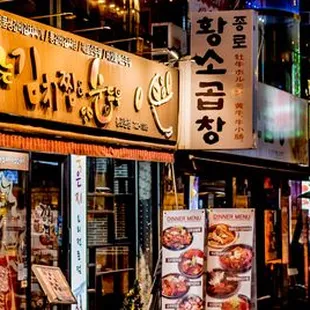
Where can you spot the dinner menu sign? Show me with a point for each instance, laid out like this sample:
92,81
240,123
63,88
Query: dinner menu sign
183,259
230,258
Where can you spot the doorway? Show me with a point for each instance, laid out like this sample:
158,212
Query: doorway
49,214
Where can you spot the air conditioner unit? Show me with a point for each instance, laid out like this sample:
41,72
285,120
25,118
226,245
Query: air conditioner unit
167,36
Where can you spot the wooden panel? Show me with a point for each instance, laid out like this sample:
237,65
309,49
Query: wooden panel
49,74
14,160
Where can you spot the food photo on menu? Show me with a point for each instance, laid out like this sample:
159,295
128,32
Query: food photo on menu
239,302
222,284
176,238
221,235
237,258
174,285
191,263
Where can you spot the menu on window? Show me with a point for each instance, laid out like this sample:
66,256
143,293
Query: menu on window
183,259
230,258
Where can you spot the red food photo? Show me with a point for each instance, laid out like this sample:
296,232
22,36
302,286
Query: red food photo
239,302
191,302
176,238
221,284
237,258
174,285
192,263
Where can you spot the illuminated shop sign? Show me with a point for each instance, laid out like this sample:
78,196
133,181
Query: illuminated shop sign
53,75
223,47
285,5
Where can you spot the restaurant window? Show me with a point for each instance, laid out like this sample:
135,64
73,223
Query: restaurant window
111,231
13,234
279,52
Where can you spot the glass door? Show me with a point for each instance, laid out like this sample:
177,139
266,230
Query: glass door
47,218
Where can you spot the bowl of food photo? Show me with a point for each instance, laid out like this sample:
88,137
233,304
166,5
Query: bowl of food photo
174,285
191,263
221,235
221,284
237,258
191,302
176,238
238,302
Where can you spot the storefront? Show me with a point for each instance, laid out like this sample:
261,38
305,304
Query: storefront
84,129
269,179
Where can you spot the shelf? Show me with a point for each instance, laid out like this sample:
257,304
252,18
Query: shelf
123,177
123,194
100,211
115,245
100,195
102,273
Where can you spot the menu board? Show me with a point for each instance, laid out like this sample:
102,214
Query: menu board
230,257
183,259
54,284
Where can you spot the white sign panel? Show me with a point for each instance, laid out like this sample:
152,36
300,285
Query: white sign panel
223,46
282,127
78,231
230,258
211,5
183,259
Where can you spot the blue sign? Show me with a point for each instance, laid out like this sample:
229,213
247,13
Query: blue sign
284,5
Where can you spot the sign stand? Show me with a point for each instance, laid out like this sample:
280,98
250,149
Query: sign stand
54,285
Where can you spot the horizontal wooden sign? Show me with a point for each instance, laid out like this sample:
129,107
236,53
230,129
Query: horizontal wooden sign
49,74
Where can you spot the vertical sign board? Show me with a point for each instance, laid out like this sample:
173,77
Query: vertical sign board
183,259
230,259
223,80
78,231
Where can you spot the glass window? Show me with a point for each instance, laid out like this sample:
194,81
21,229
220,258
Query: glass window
111,231
13,230
279,53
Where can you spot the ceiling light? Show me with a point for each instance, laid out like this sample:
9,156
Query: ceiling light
112,5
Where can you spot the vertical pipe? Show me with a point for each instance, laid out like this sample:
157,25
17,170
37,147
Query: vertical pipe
51,11
58,11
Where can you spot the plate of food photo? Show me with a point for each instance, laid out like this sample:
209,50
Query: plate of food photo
191,302
176,238
237,258
221,284
220,235
191,263
239,302
174,285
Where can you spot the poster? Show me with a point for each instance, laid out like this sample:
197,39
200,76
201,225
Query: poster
230,257
183,260
78,231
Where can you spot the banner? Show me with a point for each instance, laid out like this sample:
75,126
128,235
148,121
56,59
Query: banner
223,46
78,231
183,259
230,258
